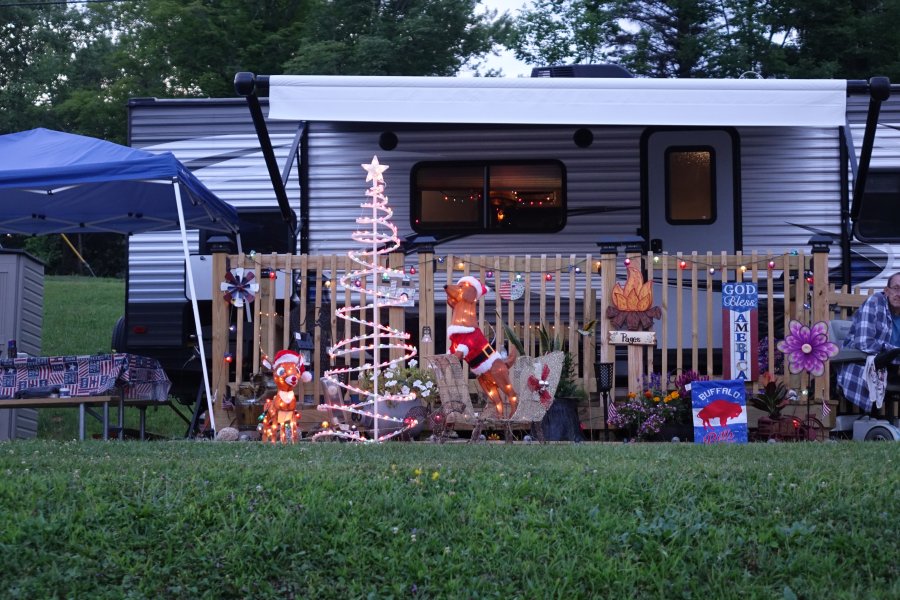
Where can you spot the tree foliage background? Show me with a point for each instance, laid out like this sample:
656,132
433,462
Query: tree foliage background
73,67
715,38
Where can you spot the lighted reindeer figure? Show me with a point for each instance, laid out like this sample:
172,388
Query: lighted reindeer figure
280,416
469,343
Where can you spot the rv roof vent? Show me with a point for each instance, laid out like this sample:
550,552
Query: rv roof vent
601,70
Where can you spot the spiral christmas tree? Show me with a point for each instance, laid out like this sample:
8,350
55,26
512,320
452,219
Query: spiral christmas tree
377,236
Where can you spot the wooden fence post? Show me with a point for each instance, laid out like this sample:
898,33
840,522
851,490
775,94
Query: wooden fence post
820,248
220,368
608,254
426,299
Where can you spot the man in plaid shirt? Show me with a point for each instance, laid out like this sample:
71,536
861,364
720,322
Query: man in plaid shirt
875,328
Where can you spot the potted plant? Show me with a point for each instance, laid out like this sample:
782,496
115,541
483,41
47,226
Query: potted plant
402,379
771,399
645,415
683,423
561,421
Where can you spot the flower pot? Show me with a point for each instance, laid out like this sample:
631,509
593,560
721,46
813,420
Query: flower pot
778,428
561,422
684,432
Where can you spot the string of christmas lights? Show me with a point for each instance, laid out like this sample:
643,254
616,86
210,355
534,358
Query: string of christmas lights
577,267
376,337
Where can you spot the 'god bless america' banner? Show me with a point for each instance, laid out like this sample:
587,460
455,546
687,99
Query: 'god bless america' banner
740,334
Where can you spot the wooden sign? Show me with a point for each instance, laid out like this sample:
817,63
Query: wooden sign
740,332
639,338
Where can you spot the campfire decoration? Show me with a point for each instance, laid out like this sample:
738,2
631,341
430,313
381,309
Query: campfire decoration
632,304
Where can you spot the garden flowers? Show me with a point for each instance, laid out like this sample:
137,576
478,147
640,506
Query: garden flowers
643,415
404,379
807,348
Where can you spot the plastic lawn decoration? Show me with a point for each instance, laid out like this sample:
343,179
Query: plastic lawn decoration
379,239
807,348
280,416
468,341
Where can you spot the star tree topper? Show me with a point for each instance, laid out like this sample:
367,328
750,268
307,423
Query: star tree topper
375,171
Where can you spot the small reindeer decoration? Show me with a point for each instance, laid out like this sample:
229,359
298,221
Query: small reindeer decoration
280,416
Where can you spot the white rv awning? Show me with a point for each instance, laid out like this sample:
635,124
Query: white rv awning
560,101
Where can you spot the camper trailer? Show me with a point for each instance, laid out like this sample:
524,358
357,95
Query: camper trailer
548,164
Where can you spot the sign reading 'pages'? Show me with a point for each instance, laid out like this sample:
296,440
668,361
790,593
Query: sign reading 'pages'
720,411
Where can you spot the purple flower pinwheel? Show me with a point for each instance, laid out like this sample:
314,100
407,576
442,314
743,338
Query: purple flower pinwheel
807,348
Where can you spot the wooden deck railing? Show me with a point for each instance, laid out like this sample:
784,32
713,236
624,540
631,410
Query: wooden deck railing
562,294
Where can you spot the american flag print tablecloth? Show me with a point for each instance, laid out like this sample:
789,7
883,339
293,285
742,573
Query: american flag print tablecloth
141,378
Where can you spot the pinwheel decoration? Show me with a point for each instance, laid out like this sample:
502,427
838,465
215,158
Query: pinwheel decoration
540,382
239,287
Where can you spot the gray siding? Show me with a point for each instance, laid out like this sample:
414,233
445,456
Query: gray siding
790,179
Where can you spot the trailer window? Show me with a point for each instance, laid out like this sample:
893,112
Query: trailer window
513,197
879,220
690,185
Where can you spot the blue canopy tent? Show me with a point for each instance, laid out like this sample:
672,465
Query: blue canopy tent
55,182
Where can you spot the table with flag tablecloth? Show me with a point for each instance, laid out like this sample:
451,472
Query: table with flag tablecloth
129,378
135,377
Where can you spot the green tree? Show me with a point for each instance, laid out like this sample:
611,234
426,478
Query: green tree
853,40
672,38
393,37
556,32
36,44
675,38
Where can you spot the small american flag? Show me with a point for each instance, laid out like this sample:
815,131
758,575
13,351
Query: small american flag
613,413
826,410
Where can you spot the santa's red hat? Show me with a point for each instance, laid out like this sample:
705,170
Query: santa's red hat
480,288
290,356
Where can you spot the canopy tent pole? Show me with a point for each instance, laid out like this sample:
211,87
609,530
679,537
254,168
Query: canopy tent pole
190,278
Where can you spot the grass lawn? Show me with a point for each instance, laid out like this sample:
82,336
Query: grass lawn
79,316
183,519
